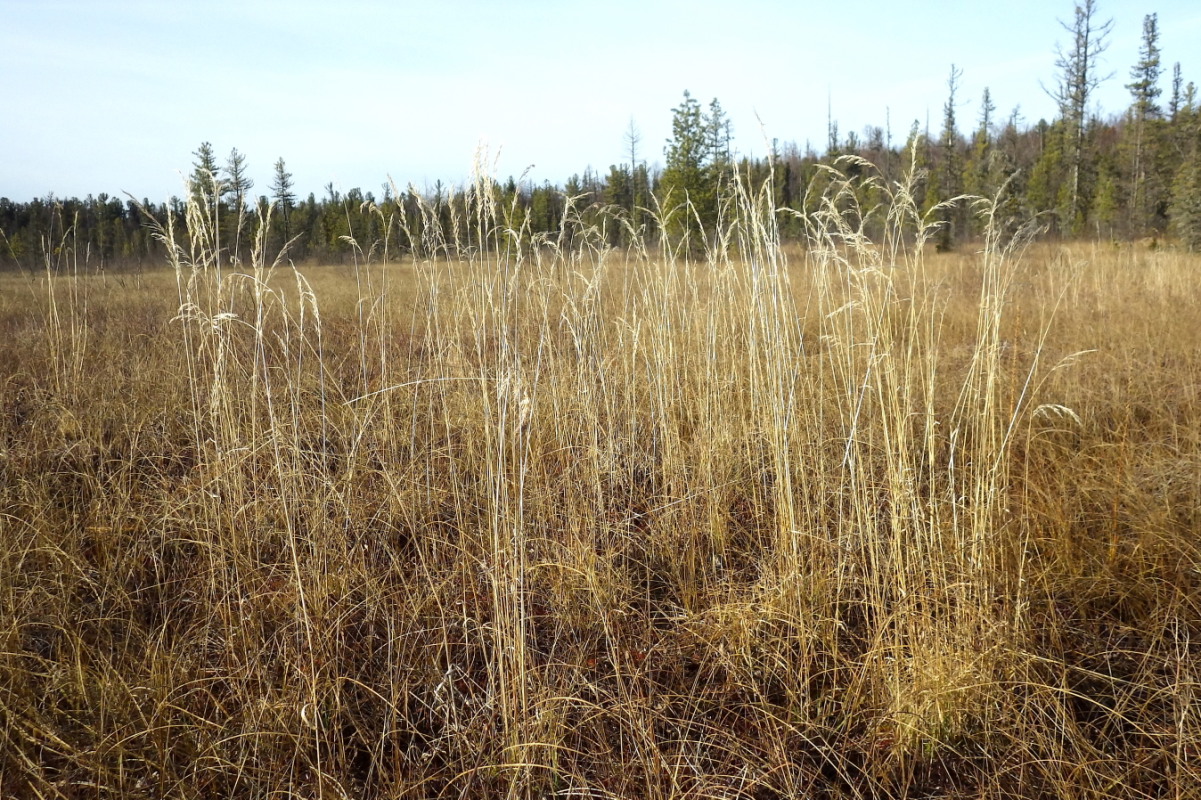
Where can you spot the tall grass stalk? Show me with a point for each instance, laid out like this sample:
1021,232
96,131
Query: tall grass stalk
524,515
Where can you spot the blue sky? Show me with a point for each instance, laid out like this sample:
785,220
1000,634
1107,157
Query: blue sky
113,97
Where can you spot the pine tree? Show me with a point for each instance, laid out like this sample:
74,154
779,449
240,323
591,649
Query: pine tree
619,192
720,133
688,188
281,189
1185,207
977,177
638,186
237,183
203,183
1144,88
1049,171
1078,80
950,169
1174,100
237,186
986,171
1185,210
1144,85
1107,203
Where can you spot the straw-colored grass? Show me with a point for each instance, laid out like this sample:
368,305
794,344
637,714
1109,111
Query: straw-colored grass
844,520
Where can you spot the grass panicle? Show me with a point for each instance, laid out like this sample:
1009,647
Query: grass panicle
528,516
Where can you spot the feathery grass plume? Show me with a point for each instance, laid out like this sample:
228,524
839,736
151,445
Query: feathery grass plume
519,514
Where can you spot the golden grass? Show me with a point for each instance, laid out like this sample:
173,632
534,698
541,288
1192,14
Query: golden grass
848,520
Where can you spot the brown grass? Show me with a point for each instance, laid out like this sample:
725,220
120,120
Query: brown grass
841,521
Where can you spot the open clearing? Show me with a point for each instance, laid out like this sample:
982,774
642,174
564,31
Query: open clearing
846,521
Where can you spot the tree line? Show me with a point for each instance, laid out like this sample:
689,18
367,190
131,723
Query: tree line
1132,175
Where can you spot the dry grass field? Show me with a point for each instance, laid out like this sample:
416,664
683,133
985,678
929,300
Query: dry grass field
852,520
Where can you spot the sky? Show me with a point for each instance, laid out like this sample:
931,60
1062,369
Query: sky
115,96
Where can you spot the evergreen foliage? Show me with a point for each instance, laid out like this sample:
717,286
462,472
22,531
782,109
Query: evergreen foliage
698,154
204,179
1185,209
1078,67
235,190
281,192
1144,113
1132,175
950,172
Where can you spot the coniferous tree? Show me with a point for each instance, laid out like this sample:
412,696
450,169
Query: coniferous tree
1013,169
688,188
204,179
237,183
1106,211
1048,173
618,192
638,187
950,169
546,212
332,224
917,154
993,162
1185,209
1109,178
1174,99
281,192
977,176
1144,112
1144,85
237,186
720,132
1078,79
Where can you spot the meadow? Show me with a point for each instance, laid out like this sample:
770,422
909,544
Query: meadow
847,519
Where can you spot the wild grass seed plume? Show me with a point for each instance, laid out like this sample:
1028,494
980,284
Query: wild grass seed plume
522,515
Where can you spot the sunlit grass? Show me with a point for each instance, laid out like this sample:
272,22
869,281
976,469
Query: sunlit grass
848,520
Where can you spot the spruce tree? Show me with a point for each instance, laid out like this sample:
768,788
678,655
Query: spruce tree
638,188
281,188
1185,208
1078,79
1048,174
619,192
687,187
203,183
977,176
986,171
1144,85
1144,89
720,134
950,169
237,187
237,183
917,154
1106,211
1174,100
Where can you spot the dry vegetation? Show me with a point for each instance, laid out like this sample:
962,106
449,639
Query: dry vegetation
847,521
